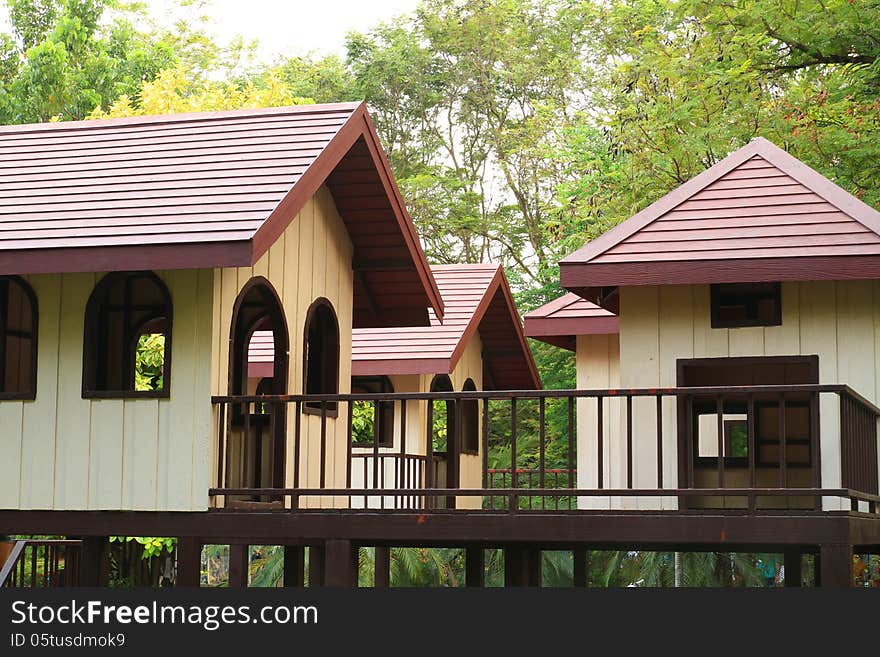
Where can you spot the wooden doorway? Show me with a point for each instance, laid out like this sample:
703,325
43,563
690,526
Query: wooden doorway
447,446
747,461
257,440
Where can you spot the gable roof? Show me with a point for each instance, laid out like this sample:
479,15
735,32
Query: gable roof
758,215
560,321
212,189
478,299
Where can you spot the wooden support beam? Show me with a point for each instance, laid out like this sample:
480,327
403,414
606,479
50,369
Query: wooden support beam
316,566
294,566
793,561
94,567
382,567
522,566
340,564
475,567
581,568
189,562
238,566
836,566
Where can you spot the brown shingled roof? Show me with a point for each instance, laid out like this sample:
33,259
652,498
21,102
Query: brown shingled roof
560,321
210,189
758,215
477,298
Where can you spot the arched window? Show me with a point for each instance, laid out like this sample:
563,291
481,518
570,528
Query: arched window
443,415
470,421
367,415
321,354
127,351
18,339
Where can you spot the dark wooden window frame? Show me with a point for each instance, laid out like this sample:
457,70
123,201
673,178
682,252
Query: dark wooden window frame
239,340
94,321
31,393
314,408
383,412
470,421
717,291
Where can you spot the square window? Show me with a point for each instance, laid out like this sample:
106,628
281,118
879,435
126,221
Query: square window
737,305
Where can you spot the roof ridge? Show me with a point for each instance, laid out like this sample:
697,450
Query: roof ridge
182,117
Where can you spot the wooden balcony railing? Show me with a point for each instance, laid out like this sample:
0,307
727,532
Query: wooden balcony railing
41,564
746,448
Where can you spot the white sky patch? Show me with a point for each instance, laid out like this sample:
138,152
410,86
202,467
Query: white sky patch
293,27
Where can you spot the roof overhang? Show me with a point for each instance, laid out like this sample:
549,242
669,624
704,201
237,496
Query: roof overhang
560,321
507,358
393,282
590,269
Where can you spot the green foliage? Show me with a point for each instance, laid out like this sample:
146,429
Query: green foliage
149,362
153,546
363,420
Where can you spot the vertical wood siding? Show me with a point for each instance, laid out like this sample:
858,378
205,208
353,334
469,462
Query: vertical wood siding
64,452
838,321
311,259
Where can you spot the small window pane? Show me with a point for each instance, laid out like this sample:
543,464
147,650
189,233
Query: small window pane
746,304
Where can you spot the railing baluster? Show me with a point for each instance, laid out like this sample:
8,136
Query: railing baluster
402,461
376,446
245,446
753,449
297,440
348,449
429,454
542,437
782,446
323,473
629,441
571,445
719,411
600,445
221,427
659,441
514,479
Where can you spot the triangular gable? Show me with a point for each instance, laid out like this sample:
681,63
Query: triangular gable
477,299
758,215
204,190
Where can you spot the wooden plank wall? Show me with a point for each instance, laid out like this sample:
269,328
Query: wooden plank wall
838,321
311,259
64,452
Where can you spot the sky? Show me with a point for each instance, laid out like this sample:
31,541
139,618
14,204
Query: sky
290,27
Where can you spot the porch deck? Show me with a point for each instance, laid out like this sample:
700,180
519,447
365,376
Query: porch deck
621,450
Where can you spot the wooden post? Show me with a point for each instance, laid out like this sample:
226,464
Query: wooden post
238,566
316,566
94,568
581,566
189,562
294,566
382,567
340,564
836,566
475,567
793,560
522,566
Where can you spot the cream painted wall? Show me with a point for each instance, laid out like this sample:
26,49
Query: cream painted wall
838,321
311,259
63,452
470,366
598,367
